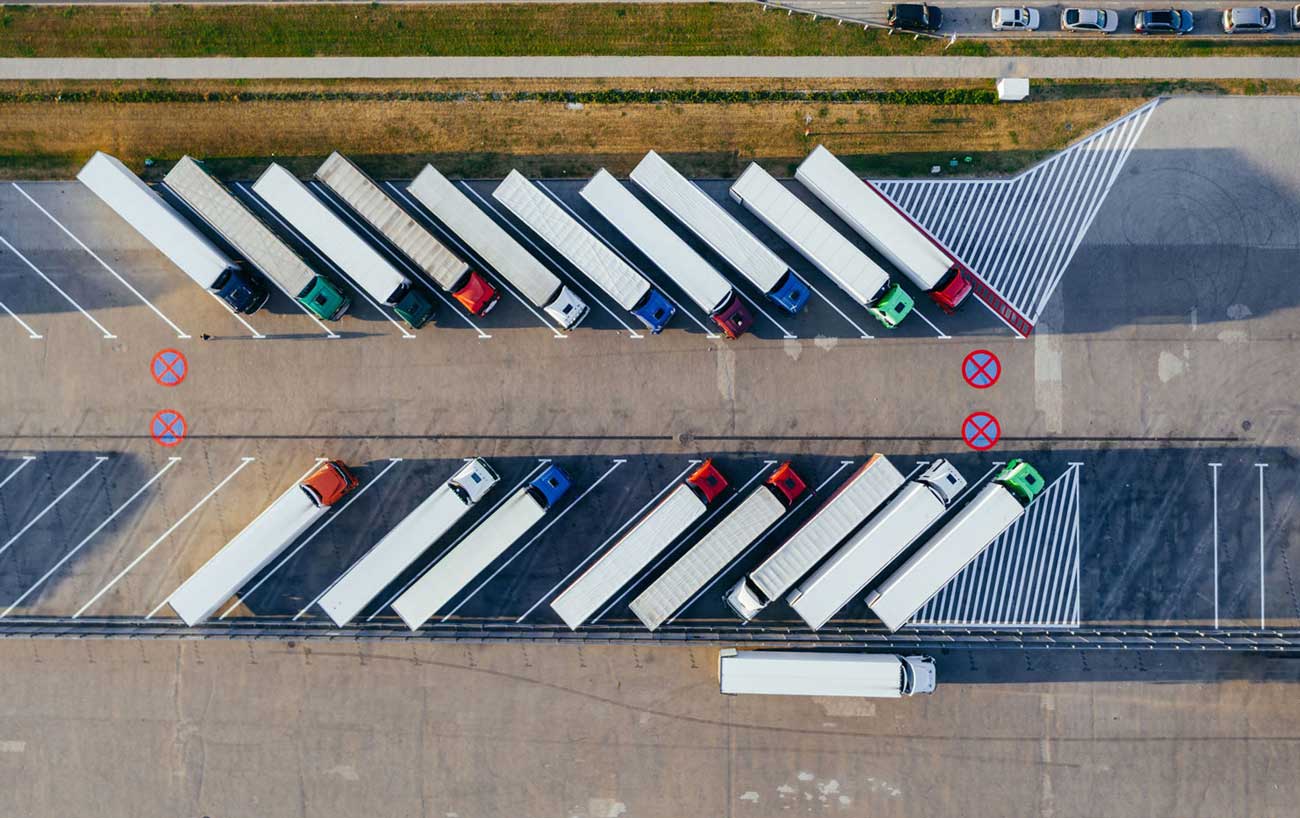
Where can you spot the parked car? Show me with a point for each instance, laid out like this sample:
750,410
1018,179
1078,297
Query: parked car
1010,18
915,17
1248,19
1163,21
1103,20
1295,17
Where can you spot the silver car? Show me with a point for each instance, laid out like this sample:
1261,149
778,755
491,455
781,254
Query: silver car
1103,20
1244,20
1011,18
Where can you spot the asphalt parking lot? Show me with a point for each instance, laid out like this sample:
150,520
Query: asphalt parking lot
1159,366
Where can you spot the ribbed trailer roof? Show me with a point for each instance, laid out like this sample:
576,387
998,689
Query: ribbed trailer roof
237,225
153,218
706,218
370,202
700,281
573,241
510,260
797,223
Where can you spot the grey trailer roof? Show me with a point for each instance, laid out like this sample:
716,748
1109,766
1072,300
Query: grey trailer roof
805,231
697,278
805,673
153,218
237,225
846,509
944,555
573,241
706,218
370,202
675,587
510,260
330,234
619,565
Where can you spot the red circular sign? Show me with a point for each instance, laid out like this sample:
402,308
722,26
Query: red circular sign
980,430
167,428
981,369
168,367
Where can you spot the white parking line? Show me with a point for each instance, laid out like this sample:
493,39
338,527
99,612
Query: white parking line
455,307
844,464
501,280
1214,483
98,462
252,197
171,461
541,464
618,531
31,333
1261,467
56,287
535,538
334,513
707,332
27,459
180,333
244,462
329,194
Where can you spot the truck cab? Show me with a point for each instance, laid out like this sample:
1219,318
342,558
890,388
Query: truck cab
567,309
1022,480
476,294
918,675
550,486
329,483
891,307
655,311
473,481
324,298
708,481
951,290
414,307
734,317
745,600
787,485
944,480
790,293
241,289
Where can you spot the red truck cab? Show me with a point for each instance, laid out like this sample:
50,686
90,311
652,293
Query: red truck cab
330,483
477,295
786,484
708,481
952,290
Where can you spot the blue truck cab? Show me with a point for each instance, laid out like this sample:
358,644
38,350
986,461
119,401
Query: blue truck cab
550,486
791,292
243,290
655,311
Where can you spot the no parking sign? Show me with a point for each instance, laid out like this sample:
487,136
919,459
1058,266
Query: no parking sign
981,369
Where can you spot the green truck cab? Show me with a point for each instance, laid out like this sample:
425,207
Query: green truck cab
414,308
892,307
1022,480
325,299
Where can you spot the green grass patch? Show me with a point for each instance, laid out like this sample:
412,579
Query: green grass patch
679,29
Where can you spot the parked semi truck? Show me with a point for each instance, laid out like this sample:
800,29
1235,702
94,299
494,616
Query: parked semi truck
706,559
261,541
882,540
583,250
873,216
510,261
829,251
657,530
177,239
697,278
401,546
845,510
488,541
443,267
329,234
722,233
974,528
807,673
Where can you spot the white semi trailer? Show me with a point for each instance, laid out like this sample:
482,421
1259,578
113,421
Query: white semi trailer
855,564
807,673
657,530
722,233
583,250
261,541
164,228
974,528
697,278
747,521
423,527
488,541
873,216
845,510
829,251
510,261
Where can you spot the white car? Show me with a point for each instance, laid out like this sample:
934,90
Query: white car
1010,18
1248,19
1103,20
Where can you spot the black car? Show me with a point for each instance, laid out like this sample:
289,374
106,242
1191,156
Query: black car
915,17
1163,21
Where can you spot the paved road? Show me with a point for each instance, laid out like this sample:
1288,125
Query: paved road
427,67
